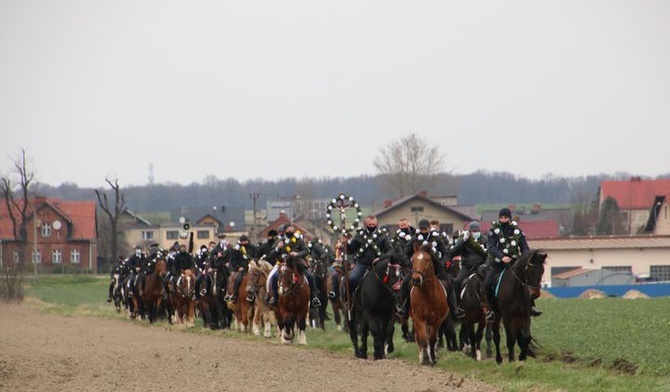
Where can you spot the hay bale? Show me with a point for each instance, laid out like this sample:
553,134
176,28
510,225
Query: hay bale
593,294
633,294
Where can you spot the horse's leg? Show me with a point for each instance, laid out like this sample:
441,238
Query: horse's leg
420,335
302,325
353,334
389,336
378,330
477,340
510,332
495,327
365,330
524,339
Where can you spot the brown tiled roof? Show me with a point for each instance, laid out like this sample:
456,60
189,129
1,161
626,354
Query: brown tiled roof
604,242
635,193
81,214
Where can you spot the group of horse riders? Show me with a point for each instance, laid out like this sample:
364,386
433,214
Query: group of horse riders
504,242
281,243
453,262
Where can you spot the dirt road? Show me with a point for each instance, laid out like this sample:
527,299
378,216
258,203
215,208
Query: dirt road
63,353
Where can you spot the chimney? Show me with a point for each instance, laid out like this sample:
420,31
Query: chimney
388,203
423,193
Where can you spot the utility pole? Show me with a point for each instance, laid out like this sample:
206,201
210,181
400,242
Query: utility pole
254,197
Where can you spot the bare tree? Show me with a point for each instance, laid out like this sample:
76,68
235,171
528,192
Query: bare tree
409,165
18,210
113,213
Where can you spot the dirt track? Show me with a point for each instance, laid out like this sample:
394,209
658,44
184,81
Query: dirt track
61,353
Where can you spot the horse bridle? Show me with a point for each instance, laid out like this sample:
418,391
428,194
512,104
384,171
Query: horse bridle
294,286
390,265
524,283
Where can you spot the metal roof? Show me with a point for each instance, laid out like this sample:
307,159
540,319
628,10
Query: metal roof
605,242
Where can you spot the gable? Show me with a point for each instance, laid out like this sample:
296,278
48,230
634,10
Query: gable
635,193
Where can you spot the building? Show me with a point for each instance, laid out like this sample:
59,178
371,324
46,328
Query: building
418,207
647,256
635,198
61,236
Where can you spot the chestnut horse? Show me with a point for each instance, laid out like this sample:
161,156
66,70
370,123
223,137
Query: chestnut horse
242,309
263,317
517,285
428,304
293,302
183,298
152,296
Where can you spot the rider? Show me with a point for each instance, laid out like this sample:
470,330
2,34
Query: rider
368,245
180,263
117,269
403,236
439,255
135,263
471,248
265,248
293,245
506,242
239,258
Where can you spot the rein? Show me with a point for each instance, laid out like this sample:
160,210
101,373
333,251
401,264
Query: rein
384,280
525,269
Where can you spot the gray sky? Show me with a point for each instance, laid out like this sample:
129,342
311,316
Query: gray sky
275,89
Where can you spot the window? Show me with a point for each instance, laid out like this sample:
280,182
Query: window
416,209
57,256
619,268
447,228
75,257
46,229
203,234
37,257
172,234
659,272
16,257
147,235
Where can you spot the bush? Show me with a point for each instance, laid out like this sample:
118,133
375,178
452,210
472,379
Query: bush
11,285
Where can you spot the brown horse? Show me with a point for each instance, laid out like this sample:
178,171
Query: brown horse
428,304
334,281
293,302
152,296
263,317
243,310
518,285
183,299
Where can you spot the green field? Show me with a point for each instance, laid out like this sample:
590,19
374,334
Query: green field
585,345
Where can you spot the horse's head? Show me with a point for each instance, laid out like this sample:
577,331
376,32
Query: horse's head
187,283
256,278
161,267
422,265
320,268
530,268
287,278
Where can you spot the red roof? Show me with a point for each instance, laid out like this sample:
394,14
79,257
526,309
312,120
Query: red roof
81,214
636,193
533,229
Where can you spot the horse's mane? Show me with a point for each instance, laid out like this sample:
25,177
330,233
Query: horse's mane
264,266
296,264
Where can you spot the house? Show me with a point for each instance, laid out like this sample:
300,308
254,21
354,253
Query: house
658,222
61,236
418,207
536,221
634,255
635,198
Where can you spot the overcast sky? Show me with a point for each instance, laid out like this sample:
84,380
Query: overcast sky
275,89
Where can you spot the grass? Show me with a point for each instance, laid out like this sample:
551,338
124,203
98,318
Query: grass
585,345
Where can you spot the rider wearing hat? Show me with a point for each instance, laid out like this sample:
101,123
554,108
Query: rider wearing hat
471,248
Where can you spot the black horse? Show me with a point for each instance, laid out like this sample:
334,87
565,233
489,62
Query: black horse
374,308
317,316
518,285
471,302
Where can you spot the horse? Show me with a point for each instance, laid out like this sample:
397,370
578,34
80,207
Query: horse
152,295
242,308
518,284
117,292
333,282
428,304
447,330
211,305
183,298
471,302
373,309
317,315
293,302
131,292
263,317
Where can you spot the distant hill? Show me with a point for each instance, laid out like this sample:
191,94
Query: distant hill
471,189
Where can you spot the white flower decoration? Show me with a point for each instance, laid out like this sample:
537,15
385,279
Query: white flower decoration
497,231
502,240
513,243
505,251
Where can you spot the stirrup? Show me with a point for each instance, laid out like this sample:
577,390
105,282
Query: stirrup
331,295
273,301
490,316
203,292
251,298
109,299
228,298
459,313
400,309
316,302
534,312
